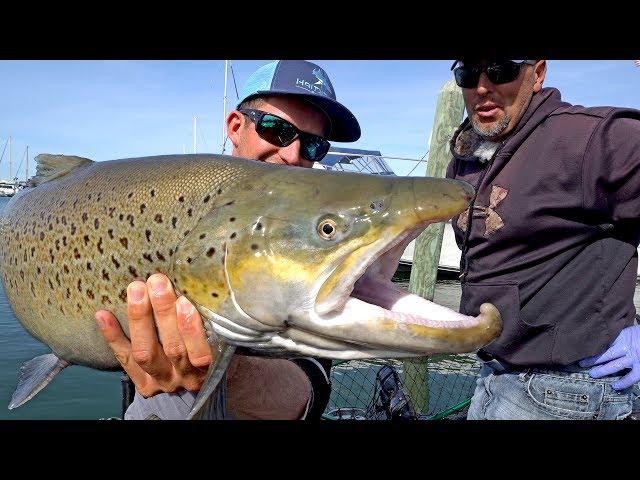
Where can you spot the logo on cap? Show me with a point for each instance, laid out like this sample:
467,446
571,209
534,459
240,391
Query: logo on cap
322,86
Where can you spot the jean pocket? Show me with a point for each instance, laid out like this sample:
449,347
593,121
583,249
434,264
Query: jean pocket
566,397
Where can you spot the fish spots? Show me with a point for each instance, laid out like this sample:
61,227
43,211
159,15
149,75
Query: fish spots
41,236
57,244
211,252
61,310
189,260
64,220
219,191
214,295
111,211
33,290
124,241
254,246
68,294
130,195
65,269
88,265
110,232
233,235
133,272
58,279
50,227
202,235
105,275
153,193
39,270
100,249
76,253
22,275
158,218
171,252
147,234
189,212
121,217
130,218
90,294
50,284
79,285
207,198
142,208
64,241
160,256
115,262
86,240
73,228
147,257
232,219
123,295
174,220
96,224
181,198
85,217
105,300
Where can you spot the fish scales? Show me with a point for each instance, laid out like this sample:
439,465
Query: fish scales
71,246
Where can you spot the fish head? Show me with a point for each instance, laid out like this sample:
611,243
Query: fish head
297,258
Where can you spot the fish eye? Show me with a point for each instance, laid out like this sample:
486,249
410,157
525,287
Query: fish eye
327,229
376,205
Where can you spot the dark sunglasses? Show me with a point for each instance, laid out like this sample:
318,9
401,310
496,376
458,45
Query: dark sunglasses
278,131
468,76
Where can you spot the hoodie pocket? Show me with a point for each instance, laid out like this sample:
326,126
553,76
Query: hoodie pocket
517,337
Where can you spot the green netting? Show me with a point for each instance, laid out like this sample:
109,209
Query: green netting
439,388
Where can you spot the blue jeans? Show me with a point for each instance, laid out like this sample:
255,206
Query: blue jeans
568,393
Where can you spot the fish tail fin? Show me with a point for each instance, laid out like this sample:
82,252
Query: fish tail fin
205,399
34,375
50,167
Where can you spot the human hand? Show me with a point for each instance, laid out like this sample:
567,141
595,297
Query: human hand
177,356
623,354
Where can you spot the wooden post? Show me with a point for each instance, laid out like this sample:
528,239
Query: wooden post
426,255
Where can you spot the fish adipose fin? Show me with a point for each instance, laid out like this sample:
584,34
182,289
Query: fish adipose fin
216,372
50,167
34,375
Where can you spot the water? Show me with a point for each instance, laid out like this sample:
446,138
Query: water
83,393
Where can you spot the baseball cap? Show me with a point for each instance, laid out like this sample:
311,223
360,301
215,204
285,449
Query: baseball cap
309,81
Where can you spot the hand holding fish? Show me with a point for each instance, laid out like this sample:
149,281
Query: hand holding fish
177,356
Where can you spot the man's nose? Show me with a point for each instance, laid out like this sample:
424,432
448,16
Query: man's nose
291,155
484,84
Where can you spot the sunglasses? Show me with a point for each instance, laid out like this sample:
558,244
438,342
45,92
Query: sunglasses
468,76
278,131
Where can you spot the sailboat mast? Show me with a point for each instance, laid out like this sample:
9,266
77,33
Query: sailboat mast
10,174
224,106
26,174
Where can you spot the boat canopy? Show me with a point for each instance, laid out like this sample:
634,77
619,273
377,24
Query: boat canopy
356,160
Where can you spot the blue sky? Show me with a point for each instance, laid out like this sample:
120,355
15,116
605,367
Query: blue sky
105,110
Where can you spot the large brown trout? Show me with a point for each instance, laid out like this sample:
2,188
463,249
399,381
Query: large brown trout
276,259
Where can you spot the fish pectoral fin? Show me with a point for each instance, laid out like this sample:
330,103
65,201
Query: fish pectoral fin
206,397
34,376
50,167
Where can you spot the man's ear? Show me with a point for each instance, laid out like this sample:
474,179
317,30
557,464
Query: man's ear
235,121
539,71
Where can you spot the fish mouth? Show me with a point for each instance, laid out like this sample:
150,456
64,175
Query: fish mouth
375,313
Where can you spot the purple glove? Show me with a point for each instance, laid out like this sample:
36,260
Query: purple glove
624,353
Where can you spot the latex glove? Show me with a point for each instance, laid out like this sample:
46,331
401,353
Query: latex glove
623,354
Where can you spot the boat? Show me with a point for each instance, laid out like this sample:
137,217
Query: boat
7,189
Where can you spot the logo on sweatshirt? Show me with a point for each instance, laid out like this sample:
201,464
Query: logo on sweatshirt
492,221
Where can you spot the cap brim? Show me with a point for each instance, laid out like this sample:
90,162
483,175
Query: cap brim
344,125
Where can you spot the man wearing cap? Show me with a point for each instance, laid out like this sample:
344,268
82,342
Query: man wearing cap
550,239
287,113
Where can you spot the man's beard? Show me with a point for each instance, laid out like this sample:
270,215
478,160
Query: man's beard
492,130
